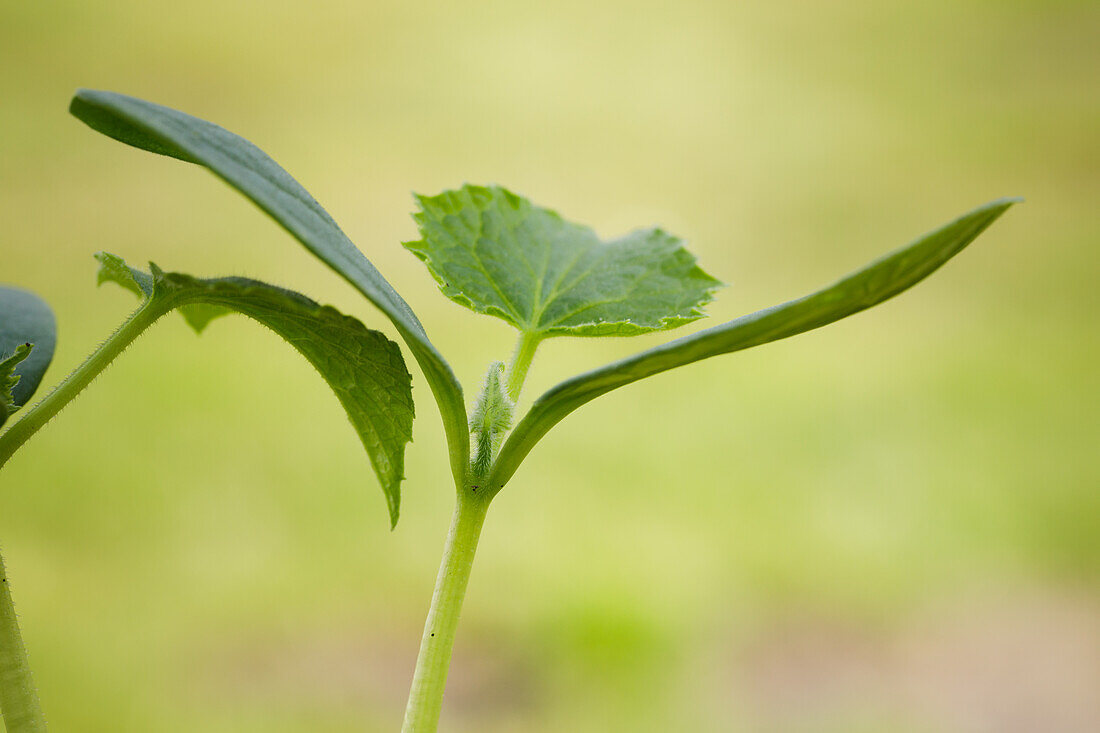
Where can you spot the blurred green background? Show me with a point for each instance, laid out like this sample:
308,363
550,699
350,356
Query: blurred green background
892,524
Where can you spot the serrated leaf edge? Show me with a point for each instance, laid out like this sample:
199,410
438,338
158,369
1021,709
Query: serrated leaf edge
419,248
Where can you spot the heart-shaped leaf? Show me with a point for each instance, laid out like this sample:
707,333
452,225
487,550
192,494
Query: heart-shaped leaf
497,253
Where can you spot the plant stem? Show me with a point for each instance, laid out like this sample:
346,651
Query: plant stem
521,362
18,699
64,393
430,677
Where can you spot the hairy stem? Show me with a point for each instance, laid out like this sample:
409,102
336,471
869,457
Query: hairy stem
430,677
521,362
18,699
63,394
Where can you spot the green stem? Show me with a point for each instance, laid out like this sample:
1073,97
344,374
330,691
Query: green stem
18,699
430,677
521,362
64,393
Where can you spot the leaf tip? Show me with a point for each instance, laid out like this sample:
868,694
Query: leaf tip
79,99
1001,205
394,505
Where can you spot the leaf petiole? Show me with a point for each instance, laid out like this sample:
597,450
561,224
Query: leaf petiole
82,376
521,361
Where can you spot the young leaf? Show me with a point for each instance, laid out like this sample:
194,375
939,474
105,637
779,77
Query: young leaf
491,418
24,319
364,368
497,253
8,380
249,170
873,284
112,269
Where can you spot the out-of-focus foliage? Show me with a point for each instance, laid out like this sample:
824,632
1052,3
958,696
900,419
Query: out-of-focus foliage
866,528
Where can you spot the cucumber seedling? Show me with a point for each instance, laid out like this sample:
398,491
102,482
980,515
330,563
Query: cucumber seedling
495,253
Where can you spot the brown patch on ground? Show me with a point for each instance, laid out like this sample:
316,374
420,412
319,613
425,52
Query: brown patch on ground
995,663
353,669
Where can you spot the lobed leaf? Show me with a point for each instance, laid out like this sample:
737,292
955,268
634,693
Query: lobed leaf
496,253
25,319
364,368
863,289
252,172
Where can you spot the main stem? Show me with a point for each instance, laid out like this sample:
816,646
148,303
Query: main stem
430,677
18,698
62,394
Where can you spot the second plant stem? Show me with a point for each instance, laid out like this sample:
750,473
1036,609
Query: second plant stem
430,677
18,699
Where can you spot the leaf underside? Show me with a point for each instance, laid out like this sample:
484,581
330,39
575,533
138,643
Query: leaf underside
24,319
877,282
363,368
496,253
253,173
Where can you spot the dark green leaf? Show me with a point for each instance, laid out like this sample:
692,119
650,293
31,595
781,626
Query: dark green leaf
873,284
25,318
497,253
248,169
364,368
